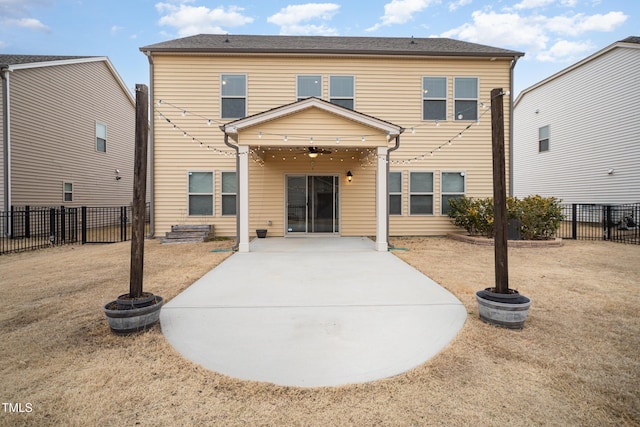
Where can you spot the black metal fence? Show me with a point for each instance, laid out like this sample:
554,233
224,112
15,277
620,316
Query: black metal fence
27,227
617,223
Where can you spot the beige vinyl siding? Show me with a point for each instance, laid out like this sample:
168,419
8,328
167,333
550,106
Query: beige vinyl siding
54,111
388,88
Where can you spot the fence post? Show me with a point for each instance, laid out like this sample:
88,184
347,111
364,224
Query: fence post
84,224
52,225
11,217
574,221
607,222
123,223
27,222
63,225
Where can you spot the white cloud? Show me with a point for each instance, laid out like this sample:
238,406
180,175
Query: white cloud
29,23
533,33
401,11
454,5
565,51
115,29
532,4
579,24
294,19
190,20
498,29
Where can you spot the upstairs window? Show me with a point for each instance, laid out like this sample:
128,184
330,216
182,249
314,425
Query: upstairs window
309,86
421,193
234,96
229,191
101,138
453,187
341,91
466,98
434,98
395,193
543,139
200,193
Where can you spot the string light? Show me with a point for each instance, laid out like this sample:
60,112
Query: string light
365,159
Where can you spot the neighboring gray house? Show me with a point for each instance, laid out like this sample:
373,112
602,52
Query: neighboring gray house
576,134
67,128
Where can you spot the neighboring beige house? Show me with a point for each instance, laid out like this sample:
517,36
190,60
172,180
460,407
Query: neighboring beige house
68,130
349,136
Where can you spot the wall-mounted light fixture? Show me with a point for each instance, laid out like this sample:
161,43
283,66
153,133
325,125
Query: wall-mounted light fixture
611,171
118,177
349,176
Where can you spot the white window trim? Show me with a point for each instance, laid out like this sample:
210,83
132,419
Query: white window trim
448,193
477,99
213,193
96,137
548,139
222,193
65,192
446,98
245,97
320,76
398,193
421,193
353,98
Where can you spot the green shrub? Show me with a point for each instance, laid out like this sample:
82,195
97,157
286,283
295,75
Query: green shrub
474,215
539,217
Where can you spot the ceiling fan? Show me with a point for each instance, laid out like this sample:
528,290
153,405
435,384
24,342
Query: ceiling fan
314,151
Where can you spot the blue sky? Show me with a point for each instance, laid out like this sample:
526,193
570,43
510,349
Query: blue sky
553,33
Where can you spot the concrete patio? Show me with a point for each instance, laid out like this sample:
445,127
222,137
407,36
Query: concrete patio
315,311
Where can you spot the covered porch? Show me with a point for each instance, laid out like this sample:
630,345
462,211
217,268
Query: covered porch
312,168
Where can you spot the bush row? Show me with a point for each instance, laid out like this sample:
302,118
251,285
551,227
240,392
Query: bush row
539,217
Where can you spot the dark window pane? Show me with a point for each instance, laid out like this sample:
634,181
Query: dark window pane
466,87
228,204
200,205
466,110
452,182
233,108
445,203
200,182
395,204
347,103
435,110
421,204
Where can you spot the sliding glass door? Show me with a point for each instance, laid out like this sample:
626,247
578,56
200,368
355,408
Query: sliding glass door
312,204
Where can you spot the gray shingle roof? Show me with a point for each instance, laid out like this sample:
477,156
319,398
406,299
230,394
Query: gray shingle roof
6,60
219,43
631,39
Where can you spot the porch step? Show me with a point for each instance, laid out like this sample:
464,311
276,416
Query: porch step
189,234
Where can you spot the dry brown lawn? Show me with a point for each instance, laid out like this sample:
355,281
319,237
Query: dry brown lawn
577,361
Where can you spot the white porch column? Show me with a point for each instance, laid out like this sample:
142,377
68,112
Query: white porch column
243,181
381,201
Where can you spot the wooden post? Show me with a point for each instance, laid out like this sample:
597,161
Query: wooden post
499,192
139,191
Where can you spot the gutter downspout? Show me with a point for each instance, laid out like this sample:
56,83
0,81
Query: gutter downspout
6,146
394,148
235,147
152,216
513,65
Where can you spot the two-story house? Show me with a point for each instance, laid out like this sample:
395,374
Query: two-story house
349,136
576,133
67,128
